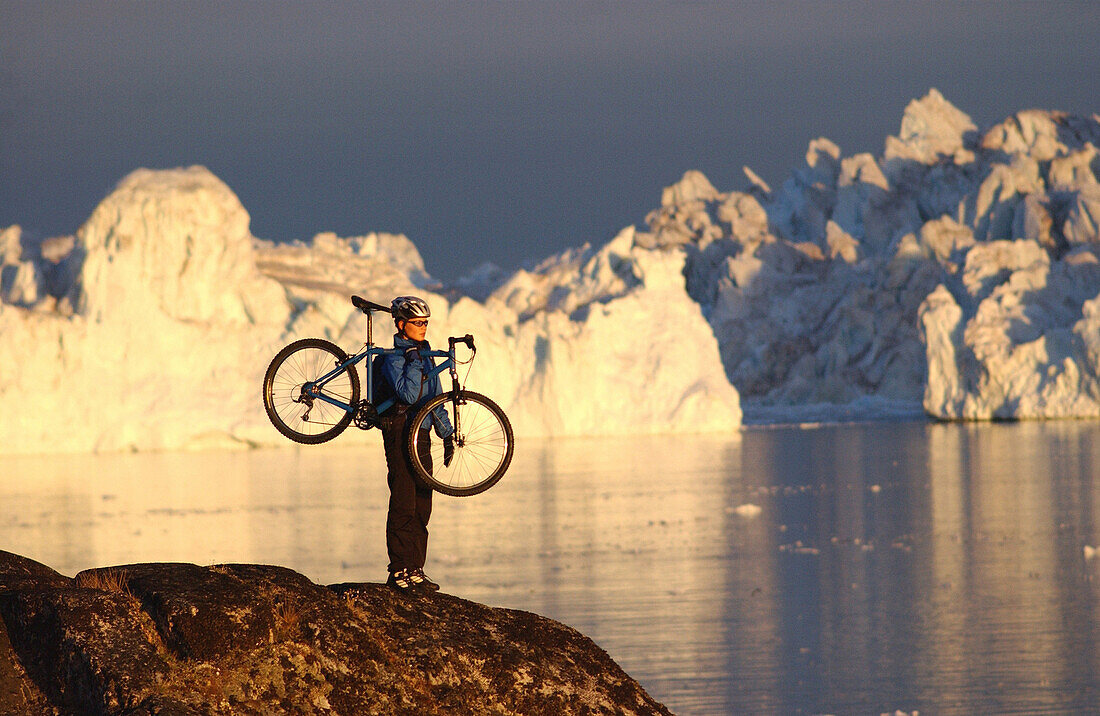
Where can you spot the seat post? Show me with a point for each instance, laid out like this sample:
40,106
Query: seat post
369,329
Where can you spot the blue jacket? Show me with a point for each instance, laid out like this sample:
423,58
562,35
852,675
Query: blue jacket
411,382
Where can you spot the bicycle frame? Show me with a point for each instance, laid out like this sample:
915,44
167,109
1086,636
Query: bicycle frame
313,389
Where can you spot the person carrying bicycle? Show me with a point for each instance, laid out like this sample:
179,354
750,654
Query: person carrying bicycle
406,375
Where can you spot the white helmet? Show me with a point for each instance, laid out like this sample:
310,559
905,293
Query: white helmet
405,307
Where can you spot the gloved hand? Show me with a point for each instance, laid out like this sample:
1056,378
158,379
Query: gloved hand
412,353
448,450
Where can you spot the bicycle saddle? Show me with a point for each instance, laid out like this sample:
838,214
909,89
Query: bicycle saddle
367,306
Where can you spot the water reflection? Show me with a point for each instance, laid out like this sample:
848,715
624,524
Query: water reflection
72,512
934,567
1009,614
891,566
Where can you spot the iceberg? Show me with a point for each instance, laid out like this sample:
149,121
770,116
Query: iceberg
151,328
956,275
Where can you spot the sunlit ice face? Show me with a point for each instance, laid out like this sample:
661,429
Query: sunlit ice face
416,329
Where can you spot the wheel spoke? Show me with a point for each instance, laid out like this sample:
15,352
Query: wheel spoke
301,363
483,445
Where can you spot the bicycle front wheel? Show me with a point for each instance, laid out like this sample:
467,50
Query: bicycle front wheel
301,417
483,444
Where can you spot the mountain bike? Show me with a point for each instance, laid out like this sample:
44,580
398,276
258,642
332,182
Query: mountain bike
312,394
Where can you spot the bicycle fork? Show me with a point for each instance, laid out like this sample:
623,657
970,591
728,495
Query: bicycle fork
459,439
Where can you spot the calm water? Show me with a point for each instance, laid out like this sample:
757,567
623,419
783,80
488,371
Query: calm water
889,566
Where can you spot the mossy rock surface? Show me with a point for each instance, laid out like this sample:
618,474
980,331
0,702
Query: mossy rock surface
256,639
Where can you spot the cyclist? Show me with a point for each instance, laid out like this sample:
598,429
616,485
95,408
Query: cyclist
406,374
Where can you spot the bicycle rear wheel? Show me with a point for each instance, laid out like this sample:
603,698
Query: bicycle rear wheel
302,418
483,444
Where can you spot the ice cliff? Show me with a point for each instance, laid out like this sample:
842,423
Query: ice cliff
152,327
956,274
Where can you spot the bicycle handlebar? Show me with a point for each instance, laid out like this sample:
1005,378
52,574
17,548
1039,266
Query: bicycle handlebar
467,339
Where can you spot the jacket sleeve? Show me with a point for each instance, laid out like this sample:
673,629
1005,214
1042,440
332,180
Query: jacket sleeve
406,377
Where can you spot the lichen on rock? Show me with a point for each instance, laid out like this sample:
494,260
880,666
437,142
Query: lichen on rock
256,639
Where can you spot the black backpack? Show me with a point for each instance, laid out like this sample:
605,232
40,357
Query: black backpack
381,388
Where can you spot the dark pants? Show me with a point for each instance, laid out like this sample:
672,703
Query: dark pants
410,498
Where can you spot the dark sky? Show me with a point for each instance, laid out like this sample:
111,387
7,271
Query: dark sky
496,132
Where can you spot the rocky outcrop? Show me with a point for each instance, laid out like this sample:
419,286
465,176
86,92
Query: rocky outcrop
253,639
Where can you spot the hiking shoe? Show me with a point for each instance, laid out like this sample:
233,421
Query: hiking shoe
400,580
419,579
